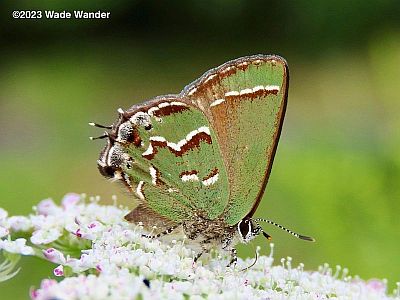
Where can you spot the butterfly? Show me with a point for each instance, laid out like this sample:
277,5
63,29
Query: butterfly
200,160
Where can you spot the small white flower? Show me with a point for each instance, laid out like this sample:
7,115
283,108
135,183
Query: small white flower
42,222
377,285
54,256
4,231
19,223
70,200
59,271
89,231
72,228
46,285
18,246
45,236
3,215
47,207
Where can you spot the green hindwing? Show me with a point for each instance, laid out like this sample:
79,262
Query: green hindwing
245,102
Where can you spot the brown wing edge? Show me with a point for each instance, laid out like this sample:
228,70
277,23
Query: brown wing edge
276,138
200,81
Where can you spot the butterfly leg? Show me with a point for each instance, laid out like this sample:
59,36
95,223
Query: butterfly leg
233,257
165,232
199,255
227,246
204,248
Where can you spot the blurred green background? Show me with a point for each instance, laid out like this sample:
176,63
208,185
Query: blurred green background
337,169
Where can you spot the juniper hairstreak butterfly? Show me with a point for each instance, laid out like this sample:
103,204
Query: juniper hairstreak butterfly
200,160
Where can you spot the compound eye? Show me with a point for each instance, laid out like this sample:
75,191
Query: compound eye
244,228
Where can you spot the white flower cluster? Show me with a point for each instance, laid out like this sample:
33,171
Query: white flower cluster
100,256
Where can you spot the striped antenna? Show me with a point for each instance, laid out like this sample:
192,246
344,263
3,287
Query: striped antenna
99,137
99,125
299,236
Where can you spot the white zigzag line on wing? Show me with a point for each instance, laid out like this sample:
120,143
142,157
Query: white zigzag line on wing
190,177
211,77
211,180
151,111
232,93
246,91
217,102
194,177
127,180
139,190
153,174
176,146
253,90
148,151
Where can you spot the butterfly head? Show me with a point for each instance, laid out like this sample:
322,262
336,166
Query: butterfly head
114,159
248,229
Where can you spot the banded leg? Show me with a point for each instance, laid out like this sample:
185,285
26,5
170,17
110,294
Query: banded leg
200,254
233,257
204,248
165,232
